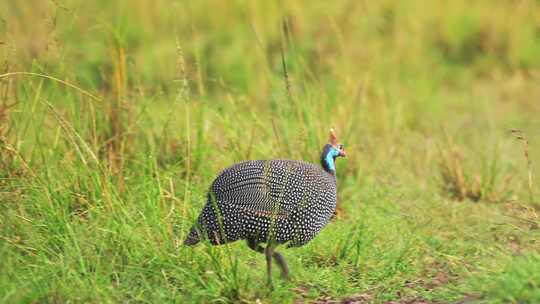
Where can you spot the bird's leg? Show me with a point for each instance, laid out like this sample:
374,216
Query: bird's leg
276,255
269,251
255,246
280,260
282,264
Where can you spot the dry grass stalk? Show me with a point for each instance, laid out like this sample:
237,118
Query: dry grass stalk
6,159
183,91
118,113
461,182
454,180
63,82
77,142
519,135
283,61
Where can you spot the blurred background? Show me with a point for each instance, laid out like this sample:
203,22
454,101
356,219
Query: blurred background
126,110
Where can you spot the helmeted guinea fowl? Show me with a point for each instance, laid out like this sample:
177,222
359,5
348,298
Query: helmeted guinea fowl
272,202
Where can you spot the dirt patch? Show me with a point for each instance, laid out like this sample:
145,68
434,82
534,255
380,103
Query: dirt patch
352,299
438,277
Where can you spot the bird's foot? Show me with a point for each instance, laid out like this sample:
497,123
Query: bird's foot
270,284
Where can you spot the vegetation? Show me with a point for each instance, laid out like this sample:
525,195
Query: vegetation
129,109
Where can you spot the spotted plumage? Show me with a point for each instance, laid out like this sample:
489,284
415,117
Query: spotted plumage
284,201
270,201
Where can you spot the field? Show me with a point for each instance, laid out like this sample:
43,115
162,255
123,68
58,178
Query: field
115,116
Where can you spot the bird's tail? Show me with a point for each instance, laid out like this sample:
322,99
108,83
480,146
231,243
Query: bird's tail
192,238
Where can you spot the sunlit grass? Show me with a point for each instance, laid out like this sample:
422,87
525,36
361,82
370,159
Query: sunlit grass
106,155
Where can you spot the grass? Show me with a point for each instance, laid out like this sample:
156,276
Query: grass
116,116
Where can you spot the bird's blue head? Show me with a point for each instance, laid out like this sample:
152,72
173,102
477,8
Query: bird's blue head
330,152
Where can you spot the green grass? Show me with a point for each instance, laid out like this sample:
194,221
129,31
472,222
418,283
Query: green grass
97,194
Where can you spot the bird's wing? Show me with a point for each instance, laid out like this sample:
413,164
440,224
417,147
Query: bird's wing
275,187
253,195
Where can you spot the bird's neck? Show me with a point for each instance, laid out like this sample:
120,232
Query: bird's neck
329,168
328,164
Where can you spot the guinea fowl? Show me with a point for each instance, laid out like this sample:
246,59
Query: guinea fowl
270,202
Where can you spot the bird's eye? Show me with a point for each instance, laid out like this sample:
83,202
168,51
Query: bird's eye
340,146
